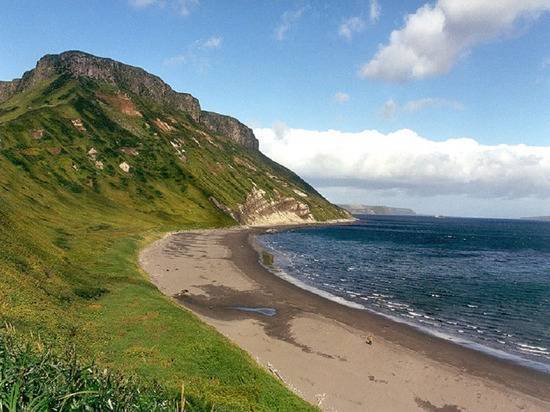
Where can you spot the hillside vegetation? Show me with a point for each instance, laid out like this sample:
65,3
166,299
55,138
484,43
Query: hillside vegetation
90,172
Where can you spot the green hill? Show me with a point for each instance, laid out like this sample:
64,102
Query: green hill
97,159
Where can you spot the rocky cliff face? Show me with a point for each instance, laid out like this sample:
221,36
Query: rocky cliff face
258,210
134,80
229,127
8,89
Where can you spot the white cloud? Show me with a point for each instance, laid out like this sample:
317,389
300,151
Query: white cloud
374,11
176,60
143,3
341,97
437,35
280,129
288,18
413,106
407,163
357,24
182,7
214,42
197,53
351,26
389,109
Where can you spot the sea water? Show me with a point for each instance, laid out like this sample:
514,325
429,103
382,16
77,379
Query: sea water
483,283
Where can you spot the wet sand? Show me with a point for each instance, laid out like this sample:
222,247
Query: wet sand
319,348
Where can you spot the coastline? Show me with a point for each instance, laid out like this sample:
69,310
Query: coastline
318,347
501,355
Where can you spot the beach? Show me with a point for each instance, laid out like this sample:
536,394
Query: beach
336,357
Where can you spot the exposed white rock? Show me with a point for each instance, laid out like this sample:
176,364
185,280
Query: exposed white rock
260,211
177,144
125,167
92,153
77,123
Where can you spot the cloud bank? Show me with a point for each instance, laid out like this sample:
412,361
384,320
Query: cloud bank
437,35
408,163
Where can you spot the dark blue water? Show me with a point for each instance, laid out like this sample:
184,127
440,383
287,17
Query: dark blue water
483,283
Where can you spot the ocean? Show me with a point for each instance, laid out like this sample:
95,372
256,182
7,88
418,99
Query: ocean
482,283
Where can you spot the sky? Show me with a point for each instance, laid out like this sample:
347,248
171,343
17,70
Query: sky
441,106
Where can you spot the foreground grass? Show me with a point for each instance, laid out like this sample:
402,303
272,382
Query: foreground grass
110,313
73,280
33,378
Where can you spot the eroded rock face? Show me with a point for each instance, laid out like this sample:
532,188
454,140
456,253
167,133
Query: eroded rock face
260,211
131,79
8,89
229,127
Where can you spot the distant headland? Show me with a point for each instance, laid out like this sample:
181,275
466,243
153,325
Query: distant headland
378,210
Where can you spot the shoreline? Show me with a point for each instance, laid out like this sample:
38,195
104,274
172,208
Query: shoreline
533,375
224,283
493,353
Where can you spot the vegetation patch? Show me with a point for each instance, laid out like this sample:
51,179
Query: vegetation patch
35,378
90,292
267,258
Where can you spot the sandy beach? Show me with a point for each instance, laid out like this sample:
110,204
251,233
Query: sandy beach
336,357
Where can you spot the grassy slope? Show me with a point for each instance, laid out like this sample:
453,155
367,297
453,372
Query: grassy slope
70,239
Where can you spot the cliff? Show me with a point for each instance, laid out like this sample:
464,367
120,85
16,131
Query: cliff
130,79
229,127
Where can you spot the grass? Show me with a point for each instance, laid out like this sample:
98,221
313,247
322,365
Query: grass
96,300
70,238
33,378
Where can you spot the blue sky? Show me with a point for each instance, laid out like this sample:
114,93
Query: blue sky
316,65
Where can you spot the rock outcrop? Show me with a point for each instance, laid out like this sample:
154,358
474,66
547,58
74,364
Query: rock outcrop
229,127
258,210
8,89
131,79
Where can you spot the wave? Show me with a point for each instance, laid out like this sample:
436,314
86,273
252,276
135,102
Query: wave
536,350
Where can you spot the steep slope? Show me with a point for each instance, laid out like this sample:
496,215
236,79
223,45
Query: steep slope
96,159
118,125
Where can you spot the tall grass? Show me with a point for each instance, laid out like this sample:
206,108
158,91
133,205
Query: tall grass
34,378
